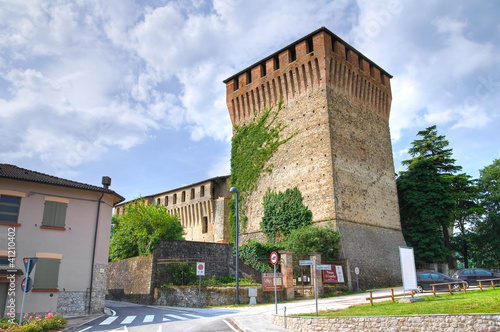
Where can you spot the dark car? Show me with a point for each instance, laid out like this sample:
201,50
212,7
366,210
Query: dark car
426,278
471,276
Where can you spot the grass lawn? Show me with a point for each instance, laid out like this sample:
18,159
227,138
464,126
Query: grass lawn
487,301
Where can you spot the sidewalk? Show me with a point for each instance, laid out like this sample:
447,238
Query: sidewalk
75,322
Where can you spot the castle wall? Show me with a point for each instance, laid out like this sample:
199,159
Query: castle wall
337,102
198,206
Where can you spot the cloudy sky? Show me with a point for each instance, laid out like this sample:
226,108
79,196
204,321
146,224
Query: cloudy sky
133,90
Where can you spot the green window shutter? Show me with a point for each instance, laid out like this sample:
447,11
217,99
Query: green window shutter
47,273
54,214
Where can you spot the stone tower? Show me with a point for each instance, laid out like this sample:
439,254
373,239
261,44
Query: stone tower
337,102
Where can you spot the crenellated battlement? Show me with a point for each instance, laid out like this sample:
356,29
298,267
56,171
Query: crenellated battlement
315,61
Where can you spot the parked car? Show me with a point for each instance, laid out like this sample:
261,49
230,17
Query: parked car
426,278
471,276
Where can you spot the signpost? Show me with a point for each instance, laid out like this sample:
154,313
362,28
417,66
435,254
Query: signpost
27,283
306,262
356,270
200,271
274,260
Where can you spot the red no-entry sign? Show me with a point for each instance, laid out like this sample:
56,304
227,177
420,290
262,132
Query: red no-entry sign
274,258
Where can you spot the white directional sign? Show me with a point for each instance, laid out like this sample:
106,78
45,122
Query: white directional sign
200,269
306,262
323,267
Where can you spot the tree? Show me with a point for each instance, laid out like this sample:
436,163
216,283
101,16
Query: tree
140,228
315,239
284,212
434,147
486,240
425,204
465,214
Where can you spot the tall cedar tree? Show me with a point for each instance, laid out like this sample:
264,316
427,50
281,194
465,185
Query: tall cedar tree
486,241
425,203
434,147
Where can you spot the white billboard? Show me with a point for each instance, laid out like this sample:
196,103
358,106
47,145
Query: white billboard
408,270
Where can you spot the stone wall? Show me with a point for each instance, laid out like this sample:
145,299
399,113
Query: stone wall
209,296
99,284
72,303
131,280
217,256
463,322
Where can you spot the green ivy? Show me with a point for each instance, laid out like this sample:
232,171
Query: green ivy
252,146
256,254
283,213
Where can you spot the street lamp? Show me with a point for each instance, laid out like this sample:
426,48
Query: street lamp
235,190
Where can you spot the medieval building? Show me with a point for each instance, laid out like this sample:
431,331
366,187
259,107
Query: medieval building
337,103
202,208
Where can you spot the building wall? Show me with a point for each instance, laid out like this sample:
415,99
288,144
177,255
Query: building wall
337,103
199,209
74,245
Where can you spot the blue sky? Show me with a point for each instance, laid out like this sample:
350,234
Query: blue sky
133,90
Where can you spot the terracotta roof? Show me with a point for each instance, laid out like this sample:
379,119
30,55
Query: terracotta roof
17,173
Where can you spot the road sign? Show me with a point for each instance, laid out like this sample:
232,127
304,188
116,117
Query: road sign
324,267
27,284
306,262
356,270
32,261
200,269
274,258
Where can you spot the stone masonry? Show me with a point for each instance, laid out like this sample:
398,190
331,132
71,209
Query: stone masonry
462,322
201,207
337,102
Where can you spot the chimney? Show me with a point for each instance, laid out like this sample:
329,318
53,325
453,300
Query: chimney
106,182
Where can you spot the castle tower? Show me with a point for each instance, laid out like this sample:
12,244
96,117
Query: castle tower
337,102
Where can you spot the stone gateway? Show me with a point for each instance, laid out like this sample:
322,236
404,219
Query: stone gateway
337,103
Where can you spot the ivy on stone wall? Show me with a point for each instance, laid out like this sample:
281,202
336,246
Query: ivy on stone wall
252,146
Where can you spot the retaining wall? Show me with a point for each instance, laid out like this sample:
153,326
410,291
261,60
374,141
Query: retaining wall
463,322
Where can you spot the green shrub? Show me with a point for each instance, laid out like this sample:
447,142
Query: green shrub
315,239
256,254
178,273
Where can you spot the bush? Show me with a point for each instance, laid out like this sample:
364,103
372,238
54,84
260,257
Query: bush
256,254
315,239
178,273
34,323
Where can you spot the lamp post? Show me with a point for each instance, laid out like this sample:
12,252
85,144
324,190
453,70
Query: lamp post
235,190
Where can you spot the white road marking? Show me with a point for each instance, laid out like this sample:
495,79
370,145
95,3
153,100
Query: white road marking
148,318
193,316
177,317
166,319
85,329
128,320
108,320
230,326
159,329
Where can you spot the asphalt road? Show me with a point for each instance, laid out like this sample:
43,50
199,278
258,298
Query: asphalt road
133,317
